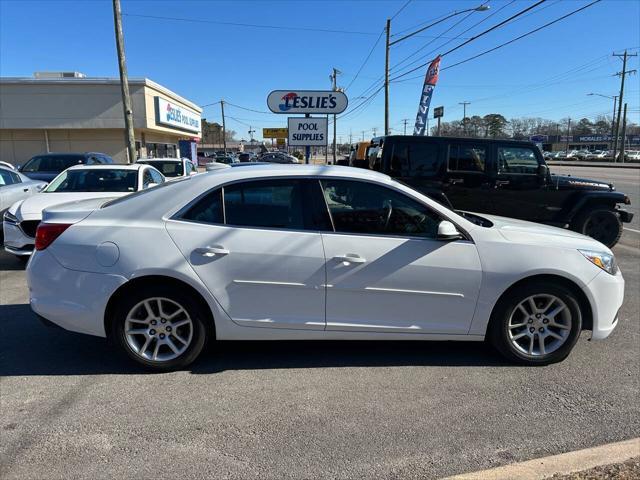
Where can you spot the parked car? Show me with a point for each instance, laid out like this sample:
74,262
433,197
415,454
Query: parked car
632,156
313,252
8,165
47,166
228,159
171,167
278,157
502,177
76,183
582,154
596,155
244,157
15,186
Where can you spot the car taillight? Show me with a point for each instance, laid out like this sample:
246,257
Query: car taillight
48,232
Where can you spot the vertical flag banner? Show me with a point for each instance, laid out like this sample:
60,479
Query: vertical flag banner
430,80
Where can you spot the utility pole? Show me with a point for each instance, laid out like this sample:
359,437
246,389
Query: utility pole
386,79
622,74
363,135
624,132
124,84
350,137
566,150
334,77
224,128
404,122
464,116
480,8
374,130
251,132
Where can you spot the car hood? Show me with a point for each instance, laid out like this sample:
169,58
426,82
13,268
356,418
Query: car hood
520,231
576,183
33,206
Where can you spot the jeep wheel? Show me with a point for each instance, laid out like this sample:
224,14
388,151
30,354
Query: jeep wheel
603,224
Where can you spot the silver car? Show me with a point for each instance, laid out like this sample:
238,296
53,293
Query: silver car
14,187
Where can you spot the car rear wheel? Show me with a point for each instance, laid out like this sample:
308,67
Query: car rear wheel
160,328
603,224
536,324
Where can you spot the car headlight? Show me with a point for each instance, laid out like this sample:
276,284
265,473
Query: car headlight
10,218
605,261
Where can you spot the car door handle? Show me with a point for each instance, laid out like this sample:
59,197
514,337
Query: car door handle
502,182
350,258
212,251
455,181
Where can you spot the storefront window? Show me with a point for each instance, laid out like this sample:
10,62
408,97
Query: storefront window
161,150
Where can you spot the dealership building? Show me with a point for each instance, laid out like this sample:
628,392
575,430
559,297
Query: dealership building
69,112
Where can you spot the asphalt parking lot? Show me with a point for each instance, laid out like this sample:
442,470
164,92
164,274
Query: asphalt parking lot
71,407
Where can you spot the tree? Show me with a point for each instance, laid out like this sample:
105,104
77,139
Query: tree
583,127
494,125
212,133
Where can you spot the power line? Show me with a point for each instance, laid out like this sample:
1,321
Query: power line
401,9
521,36
475,37
484,19
250,25
366,59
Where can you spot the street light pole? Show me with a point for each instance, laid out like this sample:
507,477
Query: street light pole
464,116
479,8
124,84
613,118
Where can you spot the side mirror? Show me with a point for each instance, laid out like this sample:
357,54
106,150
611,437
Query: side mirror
543,171
40,188
448,231
19,168
152,184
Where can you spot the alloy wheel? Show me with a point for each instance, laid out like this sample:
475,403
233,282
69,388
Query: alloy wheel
158,329
539,325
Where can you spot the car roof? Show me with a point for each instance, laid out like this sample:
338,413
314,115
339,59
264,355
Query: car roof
110,166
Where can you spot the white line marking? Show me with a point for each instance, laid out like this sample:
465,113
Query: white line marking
631,229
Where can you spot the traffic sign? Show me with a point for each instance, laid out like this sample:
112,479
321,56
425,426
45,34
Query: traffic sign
274,133
438,112
307,131
307,101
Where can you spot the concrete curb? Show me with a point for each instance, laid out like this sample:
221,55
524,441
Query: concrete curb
579,163
565,463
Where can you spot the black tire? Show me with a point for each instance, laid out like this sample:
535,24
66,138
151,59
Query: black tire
22,258
498,331
601,223
198,317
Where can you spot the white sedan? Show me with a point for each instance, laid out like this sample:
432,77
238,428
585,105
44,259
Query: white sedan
76,183
311,252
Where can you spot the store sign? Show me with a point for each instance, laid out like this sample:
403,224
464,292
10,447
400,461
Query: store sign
307,101
438,112
275,133
307,132
176,116
539,138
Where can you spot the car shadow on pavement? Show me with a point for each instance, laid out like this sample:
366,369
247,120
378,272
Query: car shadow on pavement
30,348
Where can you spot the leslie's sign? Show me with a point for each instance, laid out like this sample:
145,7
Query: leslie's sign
168,113
307,101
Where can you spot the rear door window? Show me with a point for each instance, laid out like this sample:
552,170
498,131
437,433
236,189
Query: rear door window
517,160
265,203
467,158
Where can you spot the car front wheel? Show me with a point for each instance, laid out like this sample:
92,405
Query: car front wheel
160,328
536,324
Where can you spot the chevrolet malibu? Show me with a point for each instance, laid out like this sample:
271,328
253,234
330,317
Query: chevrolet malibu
308,253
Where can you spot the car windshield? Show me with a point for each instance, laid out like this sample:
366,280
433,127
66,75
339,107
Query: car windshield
51,163
167,168
162,186
95,180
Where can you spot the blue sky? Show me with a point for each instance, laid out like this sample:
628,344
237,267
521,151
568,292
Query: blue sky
547,74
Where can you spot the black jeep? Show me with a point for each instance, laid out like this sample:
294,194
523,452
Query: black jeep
501,177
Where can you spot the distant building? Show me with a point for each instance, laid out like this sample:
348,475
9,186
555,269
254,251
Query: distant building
69,112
